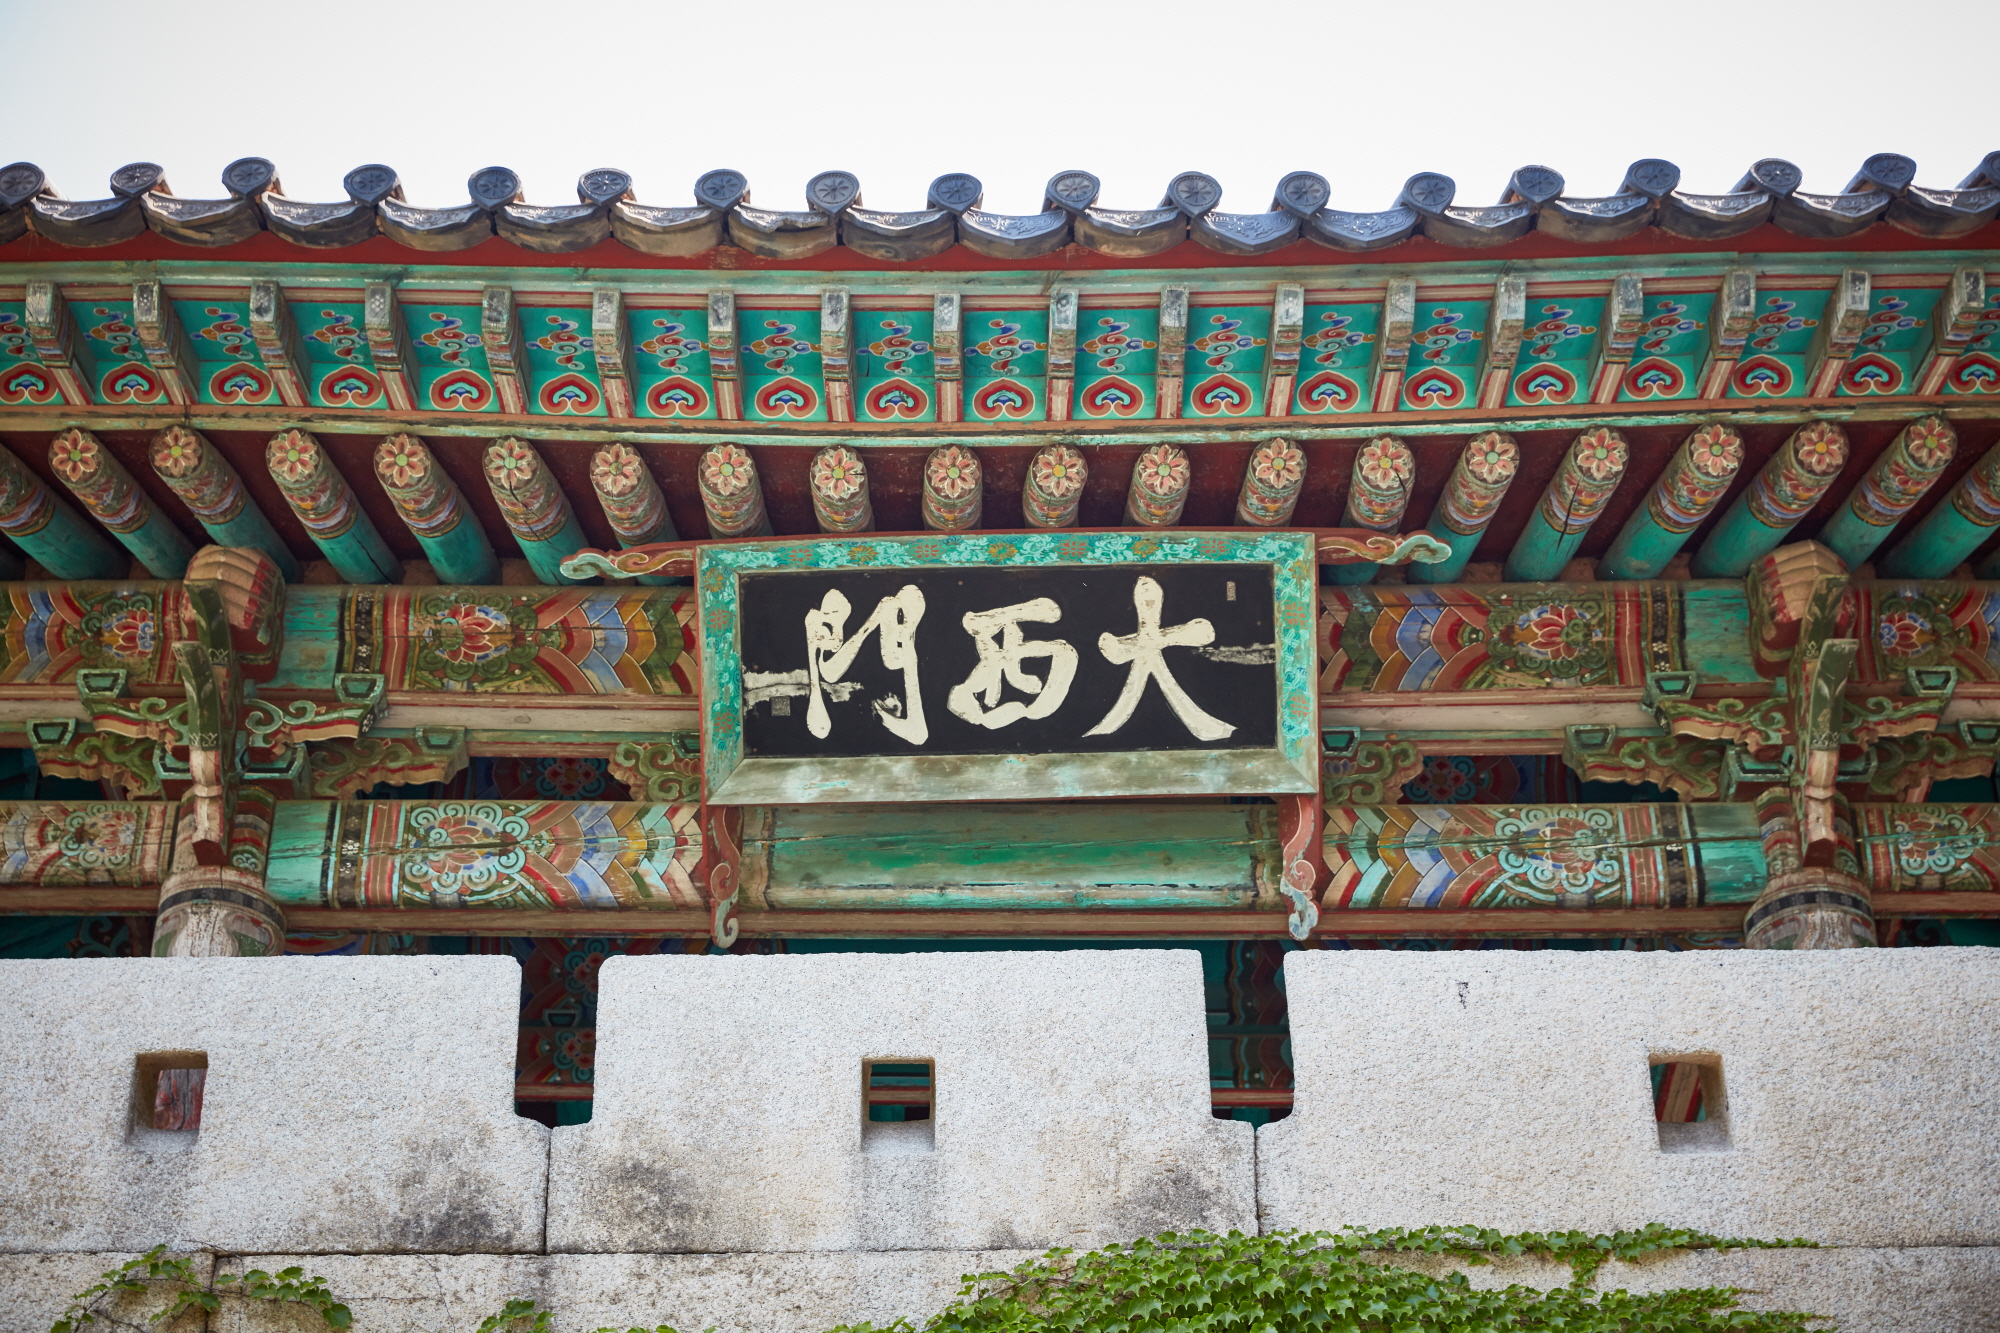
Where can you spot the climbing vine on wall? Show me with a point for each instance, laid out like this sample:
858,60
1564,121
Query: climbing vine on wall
1320,1282
289,1286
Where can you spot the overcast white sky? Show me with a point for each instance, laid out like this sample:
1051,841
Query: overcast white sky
1366,94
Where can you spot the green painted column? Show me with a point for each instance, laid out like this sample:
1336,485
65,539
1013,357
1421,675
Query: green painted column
1774,502
1908,468
535,508
53,534
435,512
632,503
1377,495
325,503
1582,486
210,488
103,486
1692,485
1471,498
1952,531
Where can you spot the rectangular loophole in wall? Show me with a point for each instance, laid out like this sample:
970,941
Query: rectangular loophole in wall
1690,1105
898,1104
167,1091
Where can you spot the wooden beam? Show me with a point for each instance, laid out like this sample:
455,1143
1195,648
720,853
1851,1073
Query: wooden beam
1172,358
1392,342
1624,320
1840,328
389,345
165,343
1503,338
724,369
1730,321
836,350
1955,323
57,347
506,356
947,344
277,337
1062,353
1288,319
611,346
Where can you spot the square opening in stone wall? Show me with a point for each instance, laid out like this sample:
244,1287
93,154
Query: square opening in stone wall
1690,1109
898,1101
167,1088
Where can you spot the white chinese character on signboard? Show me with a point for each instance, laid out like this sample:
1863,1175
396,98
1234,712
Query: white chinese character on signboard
1001,662
829,654
1143,651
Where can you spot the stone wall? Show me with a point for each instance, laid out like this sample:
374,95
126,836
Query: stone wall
358,1121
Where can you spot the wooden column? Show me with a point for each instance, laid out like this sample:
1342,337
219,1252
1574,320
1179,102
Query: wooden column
1582,486
1478,484
434,511
1907,470
954,489
535,508
1692,485
52,533
1052,491
325,503
207,485
1272,480
839,483
1159,490
1377,495
103,486
1790,485
732,493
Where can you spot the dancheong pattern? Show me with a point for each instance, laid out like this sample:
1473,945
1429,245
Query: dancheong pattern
536,855
1450,638
581,641
1577,856
1909,848
71,845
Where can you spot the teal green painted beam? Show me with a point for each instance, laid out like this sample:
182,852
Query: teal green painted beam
1690,487
535,508
1774,502
1577,494
54,535
1951,532
435,512
325,503
214,494
103,487
1908,468
1479,482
